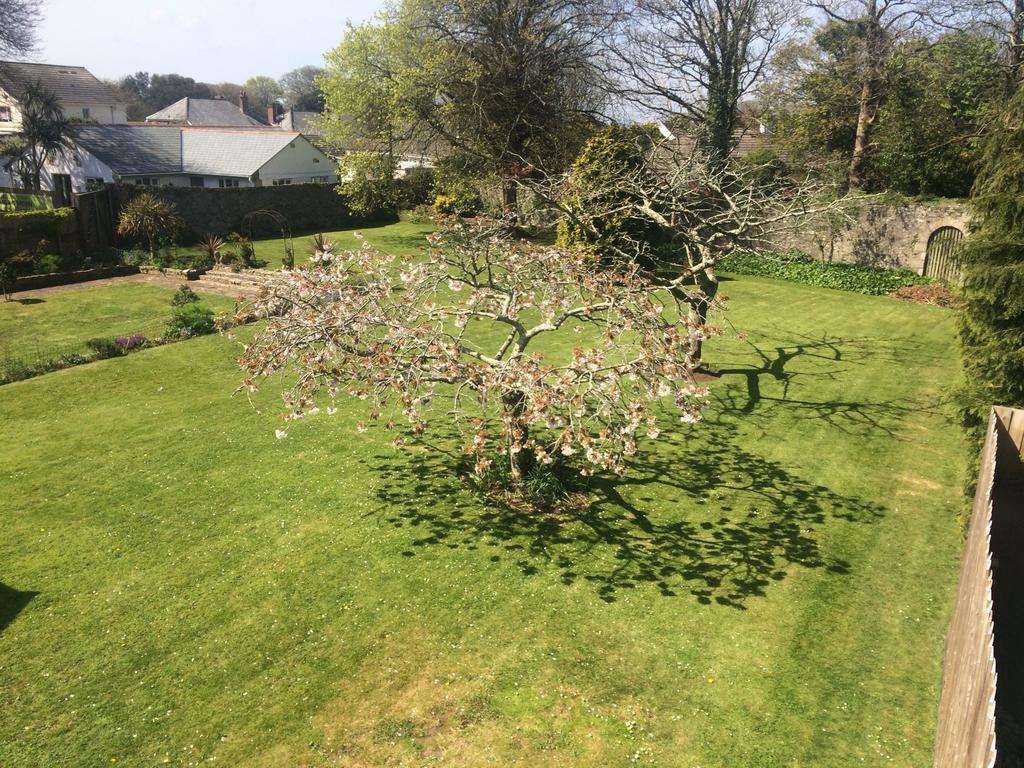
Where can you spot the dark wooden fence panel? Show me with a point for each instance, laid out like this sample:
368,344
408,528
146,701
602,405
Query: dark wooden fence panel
967,726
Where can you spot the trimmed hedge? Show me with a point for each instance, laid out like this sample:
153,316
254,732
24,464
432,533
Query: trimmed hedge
47,221
24,201
801,268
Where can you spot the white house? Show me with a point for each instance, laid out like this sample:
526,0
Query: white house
182,156
81,95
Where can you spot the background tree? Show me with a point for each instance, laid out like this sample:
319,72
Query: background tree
18,22
300,89
262,92
679,212
872,29
514,83
991,320
148,216
45,133
146,94
696,58
363,111
934,97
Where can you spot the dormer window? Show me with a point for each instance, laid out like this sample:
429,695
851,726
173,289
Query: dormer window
5,115
85,113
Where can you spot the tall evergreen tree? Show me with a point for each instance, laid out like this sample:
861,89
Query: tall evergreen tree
992,314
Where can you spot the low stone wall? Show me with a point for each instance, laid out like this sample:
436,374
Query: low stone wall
33,282
883,234
305,207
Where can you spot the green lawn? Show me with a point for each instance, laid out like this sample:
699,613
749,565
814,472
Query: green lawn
403,237
769,588
65,320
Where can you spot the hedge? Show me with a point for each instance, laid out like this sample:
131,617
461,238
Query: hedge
45,222
24,201
801,268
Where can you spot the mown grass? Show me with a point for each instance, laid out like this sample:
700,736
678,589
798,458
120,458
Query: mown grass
401,238
768,588
65,320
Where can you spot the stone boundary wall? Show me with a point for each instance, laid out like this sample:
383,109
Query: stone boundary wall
306,207
883,235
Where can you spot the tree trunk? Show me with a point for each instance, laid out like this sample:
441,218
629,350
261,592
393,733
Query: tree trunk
874,51
510,198
1016,42
521,461
707,281
865,117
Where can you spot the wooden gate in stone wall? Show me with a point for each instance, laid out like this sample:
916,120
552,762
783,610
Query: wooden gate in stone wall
942,255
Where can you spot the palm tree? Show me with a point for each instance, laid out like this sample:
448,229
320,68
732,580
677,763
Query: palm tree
150,217
45,132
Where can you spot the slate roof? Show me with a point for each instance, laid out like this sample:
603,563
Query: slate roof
231,153
303,122
132,150
70,84
204,112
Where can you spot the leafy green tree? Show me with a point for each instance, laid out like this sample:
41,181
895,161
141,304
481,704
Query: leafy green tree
932,99
992,315
301,90
262,91
926,138
514,83
611,154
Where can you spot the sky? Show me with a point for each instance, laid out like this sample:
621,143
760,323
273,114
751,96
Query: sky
209,40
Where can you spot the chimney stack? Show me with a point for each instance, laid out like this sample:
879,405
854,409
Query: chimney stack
243,102
272,115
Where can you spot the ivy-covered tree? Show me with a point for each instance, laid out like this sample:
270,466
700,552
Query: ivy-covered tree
992,313
931,98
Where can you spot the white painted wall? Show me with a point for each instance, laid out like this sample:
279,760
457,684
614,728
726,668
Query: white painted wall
301,162
80,165
103,113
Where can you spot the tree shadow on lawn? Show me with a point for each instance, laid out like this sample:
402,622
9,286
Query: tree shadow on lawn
12,602
697,515
699,512
830,353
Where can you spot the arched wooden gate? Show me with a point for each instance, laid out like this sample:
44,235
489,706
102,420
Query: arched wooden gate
942,257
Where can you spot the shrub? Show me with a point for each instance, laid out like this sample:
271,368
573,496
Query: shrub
415,187
183,296
148,216
190,320
801,268
104,348
129,343
461,201
610,154
44,265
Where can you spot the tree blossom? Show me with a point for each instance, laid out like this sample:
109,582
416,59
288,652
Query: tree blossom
481,332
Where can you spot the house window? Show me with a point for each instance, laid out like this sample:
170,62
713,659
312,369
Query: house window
316,159
147,181
196,181
281,182
5,115
320,179
85,113
227,183
93,183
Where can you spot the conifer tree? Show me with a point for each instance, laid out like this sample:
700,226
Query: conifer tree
991,323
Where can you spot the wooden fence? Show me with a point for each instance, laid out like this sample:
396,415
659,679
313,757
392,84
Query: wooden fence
982,671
